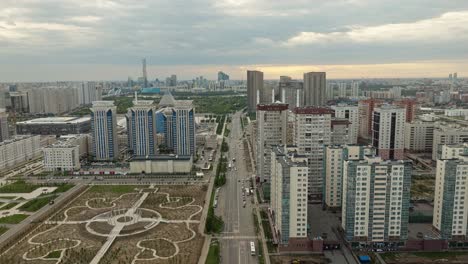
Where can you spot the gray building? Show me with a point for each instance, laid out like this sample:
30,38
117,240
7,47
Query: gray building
55,126
315,88
291,92
254,87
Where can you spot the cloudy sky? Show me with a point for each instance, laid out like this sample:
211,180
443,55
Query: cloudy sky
106,39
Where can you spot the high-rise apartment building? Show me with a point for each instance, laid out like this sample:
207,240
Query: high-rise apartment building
4,130
291,92
254,88
351,113
419,136
89,92
410,107
342,90
145,74
312,130
19,149
288,201
141,128
222,76
334,158
340,131
315,88
272,122
376,197
355,89
450,211
388,131
104,130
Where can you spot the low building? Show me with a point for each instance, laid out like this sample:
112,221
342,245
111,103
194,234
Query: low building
62,157
161,164
55,126
19,149
447,135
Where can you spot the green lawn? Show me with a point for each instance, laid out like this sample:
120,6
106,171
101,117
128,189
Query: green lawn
217,104
8,197
36,204
54,254
3,230
9,206
18,187
114,188
13,219
63,188
213,254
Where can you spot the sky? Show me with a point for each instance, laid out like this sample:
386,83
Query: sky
55,40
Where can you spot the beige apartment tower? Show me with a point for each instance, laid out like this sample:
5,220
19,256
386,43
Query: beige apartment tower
315,88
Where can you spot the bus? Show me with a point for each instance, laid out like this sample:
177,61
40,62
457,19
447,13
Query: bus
252,248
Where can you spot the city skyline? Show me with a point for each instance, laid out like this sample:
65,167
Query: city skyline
106,40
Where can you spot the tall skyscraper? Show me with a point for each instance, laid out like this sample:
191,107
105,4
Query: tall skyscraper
351,113
315,88
342,89
376,197
145,74
291,92
410,107
254,87
366,110
450,210
141,127
4,130
104,130
288,199
388,131
312,130
355,89
271,130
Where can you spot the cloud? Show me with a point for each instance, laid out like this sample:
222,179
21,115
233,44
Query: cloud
448,26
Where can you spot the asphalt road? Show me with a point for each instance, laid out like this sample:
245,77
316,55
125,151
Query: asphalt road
238,220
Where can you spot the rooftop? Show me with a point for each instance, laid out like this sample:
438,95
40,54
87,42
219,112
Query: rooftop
57,120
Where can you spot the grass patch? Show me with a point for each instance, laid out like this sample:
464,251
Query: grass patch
213,254
63,188
1,203
3,230
8,197
13,219
9,206
18,187
261,258
54,254
113,188
36,204
267,230
439,255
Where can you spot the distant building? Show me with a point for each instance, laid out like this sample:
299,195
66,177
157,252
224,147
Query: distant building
315,88
447,135
291,92
288,201
271,130
419,136
366,111
450,210
222,76
376,197
104,130
410,107
388,131
254,88
355,89
54,126
62,157
19,149
4,130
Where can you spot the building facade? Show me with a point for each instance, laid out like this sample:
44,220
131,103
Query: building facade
334,158
254,86
288,201
141,128
447,135
450,211
19,149
4,130
315,88
376,197
312,130
291,92
388,131
271,130
104,130
419,136
54,126
62,157
351,113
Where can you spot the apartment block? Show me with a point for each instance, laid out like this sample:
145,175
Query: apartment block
419,136
376,197
351,113
388,131
446,136
19,149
